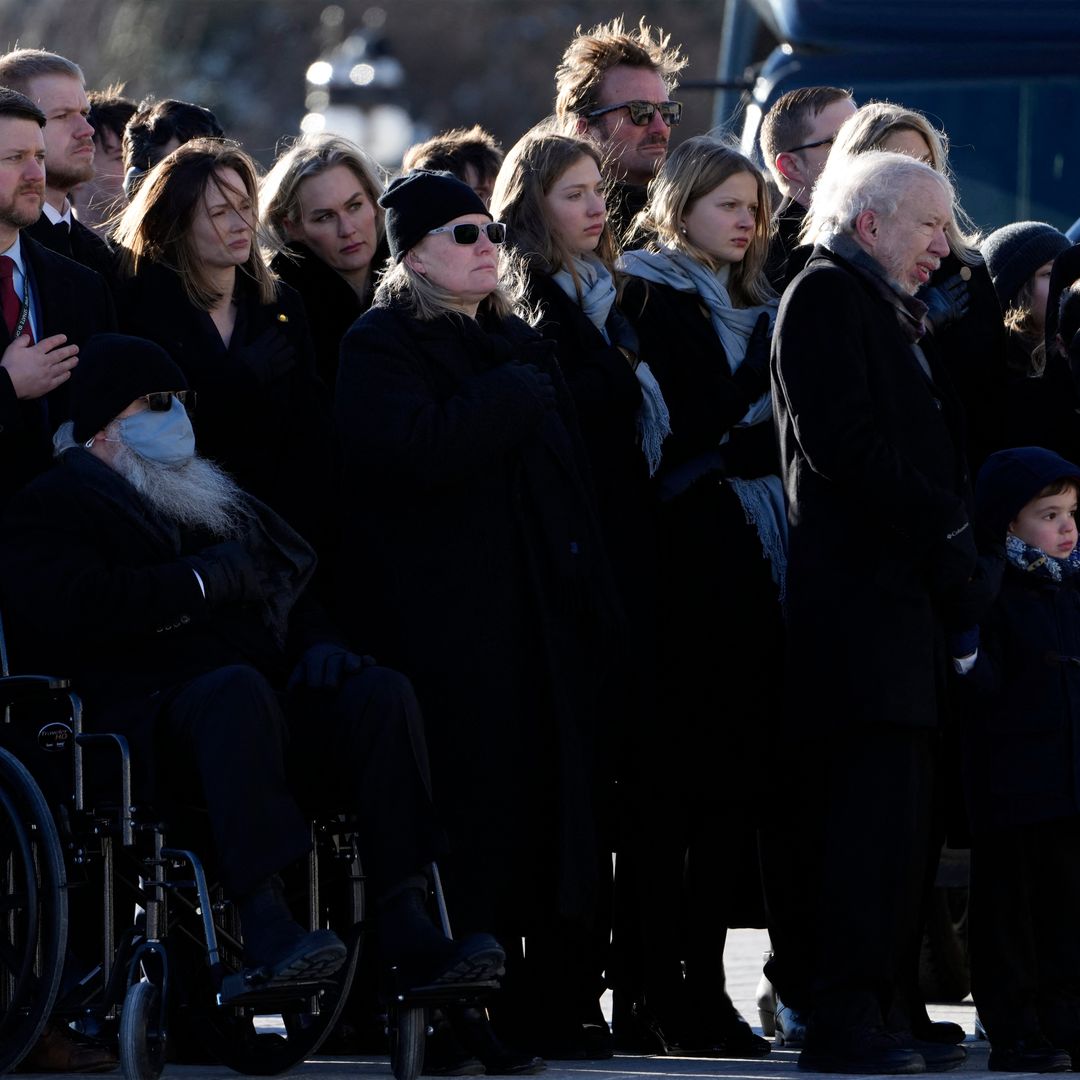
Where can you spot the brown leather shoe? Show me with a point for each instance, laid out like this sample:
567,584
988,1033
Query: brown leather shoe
59,1049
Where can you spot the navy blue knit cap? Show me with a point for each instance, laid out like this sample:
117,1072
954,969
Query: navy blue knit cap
1013,254
1010,479
423,200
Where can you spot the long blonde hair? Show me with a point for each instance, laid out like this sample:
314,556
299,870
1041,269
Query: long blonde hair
697,167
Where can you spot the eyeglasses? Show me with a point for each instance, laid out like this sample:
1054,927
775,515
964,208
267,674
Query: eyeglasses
641,112
468,233
812,145
161,400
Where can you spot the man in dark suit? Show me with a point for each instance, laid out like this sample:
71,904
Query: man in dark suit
881,552
56,85
49,304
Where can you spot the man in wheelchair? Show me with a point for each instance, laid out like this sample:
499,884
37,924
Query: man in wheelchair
178,605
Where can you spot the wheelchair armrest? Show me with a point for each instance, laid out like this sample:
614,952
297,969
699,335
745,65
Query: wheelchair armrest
18,688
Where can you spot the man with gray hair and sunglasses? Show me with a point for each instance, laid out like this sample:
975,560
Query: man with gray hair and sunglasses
614,86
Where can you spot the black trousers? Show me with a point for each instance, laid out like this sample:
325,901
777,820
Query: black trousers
1024,931
255,759
857,867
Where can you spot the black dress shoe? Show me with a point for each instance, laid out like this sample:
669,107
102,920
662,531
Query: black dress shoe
1029,1055
861,1050
939,1031
478,1037
737,1041
939,1057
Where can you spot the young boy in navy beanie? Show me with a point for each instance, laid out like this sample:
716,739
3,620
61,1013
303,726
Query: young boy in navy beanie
1022,766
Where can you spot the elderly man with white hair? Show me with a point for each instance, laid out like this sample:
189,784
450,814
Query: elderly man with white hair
881,556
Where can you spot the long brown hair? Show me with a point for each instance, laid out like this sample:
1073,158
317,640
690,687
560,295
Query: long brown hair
157,224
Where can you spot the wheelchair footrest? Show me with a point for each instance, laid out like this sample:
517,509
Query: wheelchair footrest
251,987
464,993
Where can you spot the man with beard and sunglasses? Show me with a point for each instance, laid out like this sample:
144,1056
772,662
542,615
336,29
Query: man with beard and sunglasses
614,86
49,304
178,605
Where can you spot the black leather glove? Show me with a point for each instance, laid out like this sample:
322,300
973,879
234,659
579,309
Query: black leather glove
268,357
945,303
326,665
752,375
538,382
621,332
969,605
228,573
952,563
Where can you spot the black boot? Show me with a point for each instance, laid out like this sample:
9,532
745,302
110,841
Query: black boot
279,948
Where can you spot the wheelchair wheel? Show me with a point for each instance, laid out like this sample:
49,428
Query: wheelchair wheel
142,1038
408,1027
271,1036
33,911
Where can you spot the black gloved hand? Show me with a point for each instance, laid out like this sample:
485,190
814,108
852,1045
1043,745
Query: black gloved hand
621,332
268,357
228,573
538,382
952,563
326,665
945,303
969,605
752,375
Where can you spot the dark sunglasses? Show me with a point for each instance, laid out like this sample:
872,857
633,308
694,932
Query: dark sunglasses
641,112
468,233
161,400
812,145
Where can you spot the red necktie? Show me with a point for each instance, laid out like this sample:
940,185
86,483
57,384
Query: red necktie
10,303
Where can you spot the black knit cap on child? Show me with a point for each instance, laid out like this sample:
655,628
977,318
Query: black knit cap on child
1010,479
1013,254
113,370
421,201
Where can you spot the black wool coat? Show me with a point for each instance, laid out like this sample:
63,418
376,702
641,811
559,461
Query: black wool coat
875,476
273,434
331,304
77,242
1022,723
474,559
72,301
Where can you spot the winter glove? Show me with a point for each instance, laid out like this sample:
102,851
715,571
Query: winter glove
228,574
268,357
622,333
945,303
964,643
325,666
538,382
752,375
970,604
952,563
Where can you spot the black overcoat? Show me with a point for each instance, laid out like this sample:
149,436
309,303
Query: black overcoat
875,476
473,556
274,435
1022,723
71,300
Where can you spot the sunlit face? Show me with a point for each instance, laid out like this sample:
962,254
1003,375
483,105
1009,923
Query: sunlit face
336,221
576,208
1040,296
637,151
469,272
69,138
911,142
22,175
1049,523
722,222
223,227
910,244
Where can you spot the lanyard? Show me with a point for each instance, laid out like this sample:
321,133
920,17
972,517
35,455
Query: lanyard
24,311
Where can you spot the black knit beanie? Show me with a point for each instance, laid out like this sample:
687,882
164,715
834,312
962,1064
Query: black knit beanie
421,201
113,370
1010,479
1014,252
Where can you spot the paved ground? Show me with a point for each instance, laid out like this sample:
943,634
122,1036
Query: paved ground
743,969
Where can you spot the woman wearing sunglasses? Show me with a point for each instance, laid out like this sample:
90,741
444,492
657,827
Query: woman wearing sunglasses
198,286
703,308
475,560
319,203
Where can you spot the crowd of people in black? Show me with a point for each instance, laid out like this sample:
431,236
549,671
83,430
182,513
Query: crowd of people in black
655,496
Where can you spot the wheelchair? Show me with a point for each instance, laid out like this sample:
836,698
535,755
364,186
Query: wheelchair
78,848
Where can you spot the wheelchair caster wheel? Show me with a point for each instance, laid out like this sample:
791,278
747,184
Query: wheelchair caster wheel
142,1036
408,1027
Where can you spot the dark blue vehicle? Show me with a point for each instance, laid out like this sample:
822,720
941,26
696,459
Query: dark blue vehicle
1001,77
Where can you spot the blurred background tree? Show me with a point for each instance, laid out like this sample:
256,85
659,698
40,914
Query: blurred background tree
462,62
